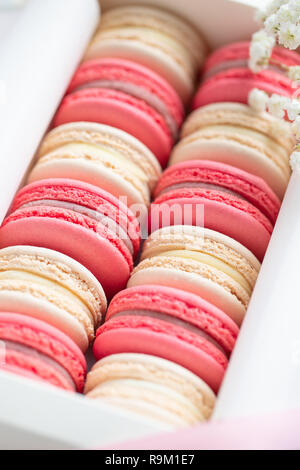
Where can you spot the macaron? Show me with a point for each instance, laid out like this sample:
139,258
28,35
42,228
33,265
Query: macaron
79,220
33,349
228,78
155,38
234,134
100,155
215,210
201,262
206,174
172,324
128,96
53,288
153,388
236,56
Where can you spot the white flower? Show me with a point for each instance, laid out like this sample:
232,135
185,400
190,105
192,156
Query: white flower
293,109
285,15
294,6
295,161
272,8
258,100
277,105
296,127
294,73
272,25
260,50
289,35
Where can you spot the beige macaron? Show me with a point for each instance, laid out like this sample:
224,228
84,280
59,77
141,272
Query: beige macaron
100,155
52,287
155,388
201,261
153,37
234,134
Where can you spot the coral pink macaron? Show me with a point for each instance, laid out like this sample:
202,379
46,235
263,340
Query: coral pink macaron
127,96
80,221
171,324
236,55
207,174
33,349
217,210
228,78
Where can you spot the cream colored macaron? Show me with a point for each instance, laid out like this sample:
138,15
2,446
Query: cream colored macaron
154,388
52,287
156,38
234,134
201,261
100,155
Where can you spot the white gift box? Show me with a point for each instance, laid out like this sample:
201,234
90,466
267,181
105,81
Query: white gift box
40,48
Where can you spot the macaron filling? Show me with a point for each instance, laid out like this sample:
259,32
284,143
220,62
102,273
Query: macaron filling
98,216
95,158
237,64
108,139
211,186
283,84
35,354
140,93
175,321
247,137
156,40
25,263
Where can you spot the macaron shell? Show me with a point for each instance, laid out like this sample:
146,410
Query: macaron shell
22,372
23,303
50,228
49,341
235,154
251,187
199,239
136,75
178,304
118,110
236,84
89,172
223,213
36,367
191,283
147,56
107,137
149,340
240,51
78,192
153,401
147,369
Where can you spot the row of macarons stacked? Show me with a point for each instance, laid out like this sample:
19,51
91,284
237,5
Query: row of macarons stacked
187,298
69,242
112,134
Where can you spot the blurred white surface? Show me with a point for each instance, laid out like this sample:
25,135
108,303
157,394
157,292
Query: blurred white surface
43,47
40,417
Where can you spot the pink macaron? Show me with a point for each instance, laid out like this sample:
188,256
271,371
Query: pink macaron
228,78
80,221
171,324
217,210
236,55
207,174
127,96
33,349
